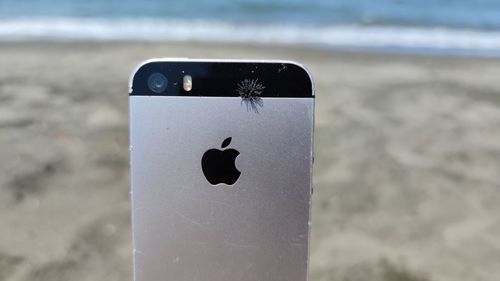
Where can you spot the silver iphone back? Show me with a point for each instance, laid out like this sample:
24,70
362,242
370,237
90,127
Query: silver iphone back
188,226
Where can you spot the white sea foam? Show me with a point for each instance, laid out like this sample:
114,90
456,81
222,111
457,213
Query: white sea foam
183,30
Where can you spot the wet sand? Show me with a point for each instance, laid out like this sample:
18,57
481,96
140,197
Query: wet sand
407,170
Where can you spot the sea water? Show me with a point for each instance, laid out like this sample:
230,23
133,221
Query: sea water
449,26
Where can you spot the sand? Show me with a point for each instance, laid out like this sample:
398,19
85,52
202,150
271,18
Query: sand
407,170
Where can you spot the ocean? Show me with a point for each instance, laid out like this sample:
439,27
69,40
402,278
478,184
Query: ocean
442,26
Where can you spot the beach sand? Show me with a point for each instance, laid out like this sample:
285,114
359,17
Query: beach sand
407,167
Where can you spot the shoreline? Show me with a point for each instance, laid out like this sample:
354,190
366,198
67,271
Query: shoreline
440,38
394,53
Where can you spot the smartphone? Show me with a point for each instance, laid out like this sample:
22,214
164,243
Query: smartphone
221,170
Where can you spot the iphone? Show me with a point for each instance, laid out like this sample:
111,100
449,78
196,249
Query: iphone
221,170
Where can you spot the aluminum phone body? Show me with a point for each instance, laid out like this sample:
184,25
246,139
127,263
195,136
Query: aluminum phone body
184,228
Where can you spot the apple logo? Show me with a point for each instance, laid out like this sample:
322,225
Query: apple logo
219,165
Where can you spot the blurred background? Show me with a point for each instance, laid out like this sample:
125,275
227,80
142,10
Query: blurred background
407,137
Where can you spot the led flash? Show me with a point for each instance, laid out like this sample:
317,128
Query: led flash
187,83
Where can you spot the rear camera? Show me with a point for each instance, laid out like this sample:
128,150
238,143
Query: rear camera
157,83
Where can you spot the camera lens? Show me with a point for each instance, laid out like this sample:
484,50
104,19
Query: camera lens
157,82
